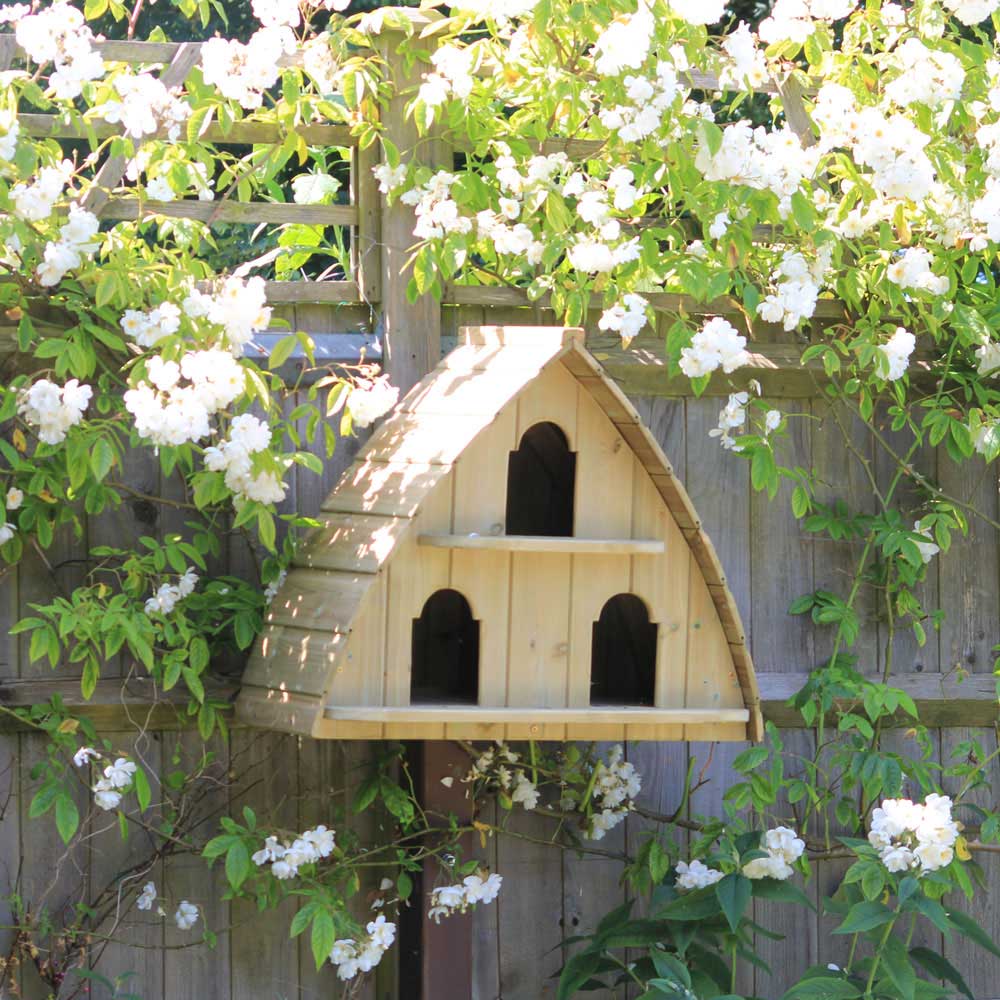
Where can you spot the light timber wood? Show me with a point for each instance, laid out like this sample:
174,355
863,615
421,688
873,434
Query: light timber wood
480,479
665,594
329,292
359,674
551,397
547,716
246,133
184,57
319,599
483,575
426,439
413,577
277,213
538,636
497,295
295,659
545,543
423,508
366,242
352,542
394,489
604,473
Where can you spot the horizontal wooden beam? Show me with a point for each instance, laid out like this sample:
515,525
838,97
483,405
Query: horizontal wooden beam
115,704
246,133
545,543
608,715
641,369
504,295
943,701
313,292
128,209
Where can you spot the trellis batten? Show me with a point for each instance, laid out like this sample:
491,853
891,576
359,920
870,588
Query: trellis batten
423,511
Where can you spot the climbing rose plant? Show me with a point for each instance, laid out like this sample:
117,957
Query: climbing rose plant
616,157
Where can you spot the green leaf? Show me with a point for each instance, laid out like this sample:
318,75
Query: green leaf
102,458
282,351
301,919
865,916
142,792
67,817
963,923
733,892
322,937
896,962
218,846
404,886
784,892
238,864
396,801
940,968
823,988
44,799
576,972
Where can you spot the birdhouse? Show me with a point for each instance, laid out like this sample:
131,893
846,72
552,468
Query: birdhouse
510,557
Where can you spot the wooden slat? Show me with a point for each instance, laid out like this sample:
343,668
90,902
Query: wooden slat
502,295
309,292
483,576
603,503
366,242
113,169
944,701
243,133
277,213
485,389
423,439
359,675
319,599
544,543
414,575
665,591
552,397
538,638
351,542
390,488
546,716
300,660
520,336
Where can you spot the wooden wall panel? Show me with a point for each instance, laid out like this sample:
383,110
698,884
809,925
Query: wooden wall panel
414,574
540,602
605,469
551,397
666,595
480,493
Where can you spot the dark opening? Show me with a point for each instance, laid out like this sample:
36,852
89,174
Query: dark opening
541,478
445,651
623,654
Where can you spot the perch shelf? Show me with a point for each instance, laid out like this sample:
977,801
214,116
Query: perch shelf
604,714
547,543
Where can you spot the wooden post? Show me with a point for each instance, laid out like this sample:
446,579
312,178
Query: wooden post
412,332
412,347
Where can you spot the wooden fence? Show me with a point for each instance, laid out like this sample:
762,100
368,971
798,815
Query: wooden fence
548,895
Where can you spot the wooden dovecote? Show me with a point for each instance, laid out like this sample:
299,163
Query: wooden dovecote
417,612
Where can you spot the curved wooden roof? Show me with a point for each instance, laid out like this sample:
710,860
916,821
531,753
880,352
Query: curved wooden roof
374,506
